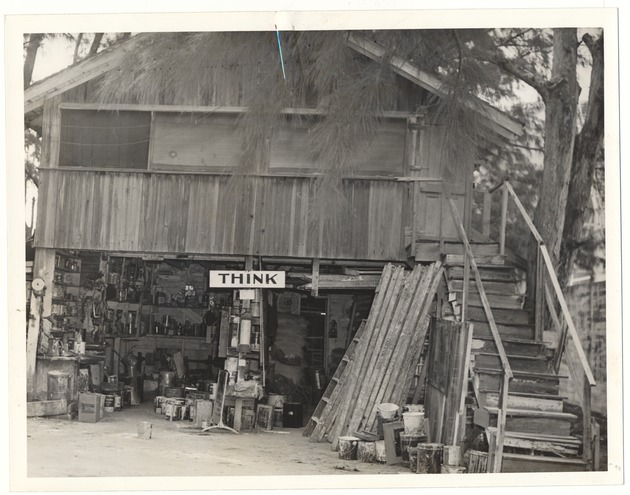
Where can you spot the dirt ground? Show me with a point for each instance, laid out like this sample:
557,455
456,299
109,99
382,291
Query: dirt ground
112,447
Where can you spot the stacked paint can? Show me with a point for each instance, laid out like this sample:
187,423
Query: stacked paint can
109,403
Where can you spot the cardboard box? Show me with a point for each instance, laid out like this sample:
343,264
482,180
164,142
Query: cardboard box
91,407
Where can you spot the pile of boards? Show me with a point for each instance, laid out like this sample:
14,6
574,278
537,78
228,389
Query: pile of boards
381,366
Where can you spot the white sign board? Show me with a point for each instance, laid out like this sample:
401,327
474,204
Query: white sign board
235,279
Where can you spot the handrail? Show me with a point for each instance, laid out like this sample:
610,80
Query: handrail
567,316
496,440
482,292
556,285
544,295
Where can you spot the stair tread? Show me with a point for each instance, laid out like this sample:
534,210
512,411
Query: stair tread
513,340
541,437
515,356
543,458
531,374
519,325
526,394
533,413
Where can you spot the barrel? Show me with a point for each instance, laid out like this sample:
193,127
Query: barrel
429,458
408,442
366,452
59,386
167,379
348,447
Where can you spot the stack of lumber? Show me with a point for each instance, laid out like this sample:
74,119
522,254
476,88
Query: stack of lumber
382,365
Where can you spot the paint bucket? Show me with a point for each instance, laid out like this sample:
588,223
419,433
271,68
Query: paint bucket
387,410
413,408
348,448
167,380
255,309
118,402
59,386
408,442
157,404
414,423
277,417
145,430
109,403
366,452
276,400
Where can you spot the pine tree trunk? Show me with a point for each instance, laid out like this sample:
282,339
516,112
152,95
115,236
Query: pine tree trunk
561,99
34,41
588,145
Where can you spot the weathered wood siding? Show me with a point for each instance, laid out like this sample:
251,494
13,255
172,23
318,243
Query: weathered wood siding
194,213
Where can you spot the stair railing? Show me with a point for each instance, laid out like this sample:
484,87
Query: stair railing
548,299
496,440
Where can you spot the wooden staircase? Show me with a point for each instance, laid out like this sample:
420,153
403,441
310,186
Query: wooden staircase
537,432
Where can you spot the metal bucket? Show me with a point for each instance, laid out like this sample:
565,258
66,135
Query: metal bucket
167,380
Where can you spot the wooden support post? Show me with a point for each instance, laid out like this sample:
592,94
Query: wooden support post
487,214
460,418
596,448
43,268
249,263
315,278
539,294
587,440
504,207
466,288
31,344
497,460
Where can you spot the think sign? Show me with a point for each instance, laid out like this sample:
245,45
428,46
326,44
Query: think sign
230,279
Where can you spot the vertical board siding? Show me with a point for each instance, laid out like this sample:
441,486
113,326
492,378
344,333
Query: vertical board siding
205,214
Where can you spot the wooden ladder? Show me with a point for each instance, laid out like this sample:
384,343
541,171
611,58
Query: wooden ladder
324,406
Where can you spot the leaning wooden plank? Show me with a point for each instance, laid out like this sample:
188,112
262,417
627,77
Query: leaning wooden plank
369,371
401,334
382,360
331,408
361,368
392,390
327,418
320,413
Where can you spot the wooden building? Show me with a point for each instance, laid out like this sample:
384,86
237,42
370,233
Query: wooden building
140,197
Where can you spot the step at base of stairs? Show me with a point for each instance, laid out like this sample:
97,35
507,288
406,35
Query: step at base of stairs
489,380
529,401
520,463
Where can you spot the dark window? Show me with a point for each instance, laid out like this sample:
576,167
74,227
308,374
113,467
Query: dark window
104,139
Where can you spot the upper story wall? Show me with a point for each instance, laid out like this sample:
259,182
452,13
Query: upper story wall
154,178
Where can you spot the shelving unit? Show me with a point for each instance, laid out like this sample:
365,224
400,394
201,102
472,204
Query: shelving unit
66,303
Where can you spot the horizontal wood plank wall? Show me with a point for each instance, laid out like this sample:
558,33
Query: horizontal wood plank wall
205,214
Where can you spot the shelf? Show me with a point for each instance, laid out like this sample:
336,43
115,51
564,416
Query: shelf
68,285
67,270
